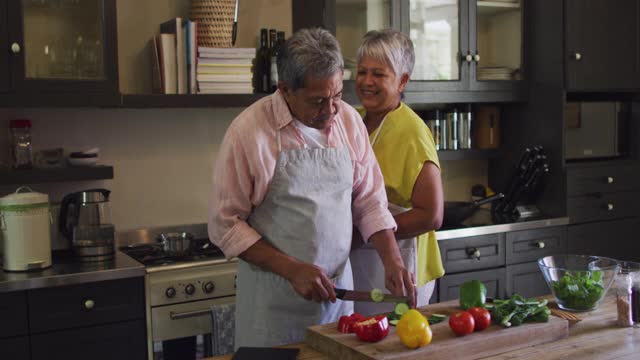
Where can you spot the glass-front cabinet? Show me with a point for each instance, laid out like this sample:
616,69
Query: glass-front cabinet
460,45
62,45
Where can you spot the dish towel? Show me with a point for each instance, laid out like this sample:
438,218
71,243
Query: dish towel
223,326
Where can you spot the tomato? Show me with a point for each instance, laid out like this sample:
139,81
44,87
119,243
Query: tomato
345,324
372,329
413,329
461,323
481,317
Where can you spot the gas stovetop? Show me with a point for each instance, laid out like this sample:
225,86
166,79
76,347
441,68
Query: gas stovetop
154,256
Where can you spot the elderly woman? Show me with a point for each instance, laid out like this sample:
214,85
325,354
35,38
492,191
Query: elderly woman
407,156
294,174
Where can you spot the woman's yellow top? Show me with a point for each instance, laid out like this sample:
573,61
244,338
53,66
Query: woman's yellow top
402,145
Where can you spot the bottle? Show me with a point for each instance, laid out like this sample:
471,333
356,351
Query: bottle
263,61
464,128
452,127
273,60
21,154
280,38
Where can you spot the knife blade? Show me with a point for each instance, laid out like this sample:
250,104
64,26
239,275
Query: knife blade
353,295
234,30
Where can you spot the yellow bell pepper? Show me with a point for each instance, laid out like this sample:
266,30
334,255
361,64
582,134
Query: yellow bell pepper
413,330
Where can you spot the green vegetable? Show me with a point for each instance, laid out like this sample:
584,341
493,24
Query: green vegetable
579,290
436,318
517,310
401,308
472,293
393,322
377,295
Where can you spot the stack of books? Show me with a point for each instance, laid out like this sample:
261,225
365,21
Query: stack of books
225,70
173,57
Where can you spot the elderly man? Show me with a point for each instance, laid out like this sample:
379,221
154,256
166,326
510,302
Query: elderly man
294,174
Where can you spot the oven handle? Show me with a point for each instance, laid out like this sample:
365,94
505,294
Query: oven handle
188,314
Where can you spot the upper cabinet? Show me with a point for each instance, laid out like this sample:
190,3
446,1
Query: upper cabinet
59,47
460,45
601,45
4,44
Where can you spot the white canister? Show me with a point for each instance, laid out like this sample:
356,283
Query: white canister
25,223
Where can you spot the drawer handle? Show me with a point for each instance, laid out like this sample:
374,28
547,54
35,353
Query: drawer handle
473,253
188,314
89,304
609,207
609,179
15,48
539,244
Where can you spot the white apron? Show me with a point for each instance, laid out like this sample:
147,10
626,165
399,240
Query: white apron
306,214
368,270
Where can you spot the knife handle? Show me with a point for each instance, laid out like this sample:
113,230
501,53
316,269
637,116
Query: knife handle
340,293
234,33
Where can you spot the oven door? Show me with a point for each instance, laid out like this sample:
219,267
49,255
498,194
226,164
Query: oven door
184,320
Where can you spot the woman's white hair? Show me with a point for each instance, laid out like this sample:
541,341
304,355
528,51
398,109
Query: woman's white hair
389,46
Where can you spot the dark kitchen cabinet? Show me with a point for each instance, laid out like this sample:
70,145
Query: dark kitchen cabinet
73,61
461,45
13,312
16,348
525,279
531,245
601,51
473,253
4,44
616,239
113,341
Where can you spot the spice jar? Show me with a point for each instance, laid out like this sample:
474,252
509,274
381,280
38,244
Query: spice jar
20,131
627,294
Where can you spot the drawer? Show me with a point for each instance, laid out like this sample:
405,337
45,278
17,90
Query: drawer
15,348
472,253
86,304
122,341
593,179
616,239
530,245
13,314
607,206
526,279
493,279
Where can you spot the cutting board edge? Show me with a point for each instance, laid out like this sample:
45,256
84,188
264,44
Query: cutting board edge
325,346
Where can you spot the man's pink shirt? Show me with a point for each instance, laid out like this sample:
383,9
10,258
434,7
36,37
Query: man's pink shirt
247,161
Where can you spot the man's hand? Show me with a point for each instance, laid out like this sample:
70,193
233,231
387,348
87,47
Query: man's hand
397,279
310,282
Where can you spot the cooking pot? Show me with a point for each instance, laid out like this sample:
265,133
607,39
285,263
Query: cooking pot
455,212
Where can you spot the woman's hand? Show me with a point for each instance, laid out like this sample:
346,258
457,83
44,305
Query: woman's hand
401,282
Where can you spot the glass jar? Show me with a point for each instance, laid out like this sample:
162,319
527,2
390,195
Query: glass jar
628,294
21,154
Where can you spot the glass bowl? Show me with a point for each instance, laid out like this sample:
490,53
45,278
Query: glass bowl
578,282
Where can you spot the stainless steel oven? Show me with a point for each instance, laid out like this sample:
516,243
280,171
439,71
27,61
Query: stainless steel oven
180,292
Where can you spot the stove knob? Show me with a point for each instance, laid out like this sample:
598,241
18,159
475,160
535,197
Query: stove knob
208,287
190,289
170,292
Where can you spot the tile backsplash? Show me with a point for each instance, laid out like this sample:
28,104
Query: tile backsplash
162,159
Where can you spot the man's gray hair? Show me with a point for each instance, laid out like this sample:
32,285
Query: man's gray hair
309,52
389,46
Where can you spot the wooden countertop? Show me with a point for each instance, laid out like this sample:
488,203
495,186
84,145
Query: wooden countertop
595,337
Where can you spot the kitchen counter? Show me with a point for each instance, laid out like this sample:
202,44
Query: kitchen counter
595,337
66,271
482,222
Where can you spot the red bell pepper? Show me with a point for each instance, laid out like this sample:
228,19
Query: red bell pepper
372,329
345,324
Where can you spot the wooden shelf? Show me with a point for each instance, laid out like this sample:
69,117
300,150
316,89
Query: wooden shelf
471,154
192,100
37,176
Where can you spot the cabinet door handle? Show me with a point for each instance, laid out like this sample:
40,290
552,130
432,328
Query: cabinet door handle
15,48
609,179
89,304
468,58
476,57
577,56
609,207
187,314
473,253
539,244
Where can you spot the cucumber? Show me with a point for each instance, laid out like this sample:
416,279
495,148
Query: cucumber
436,318
393,322
377,295
401,309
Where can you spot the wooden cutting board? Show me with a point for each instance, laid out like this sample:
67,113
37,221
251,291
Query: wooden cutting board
445,344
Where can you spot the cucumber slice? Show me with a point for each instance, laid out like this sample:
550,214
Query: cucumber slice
436,318
393,322
377,295
401,309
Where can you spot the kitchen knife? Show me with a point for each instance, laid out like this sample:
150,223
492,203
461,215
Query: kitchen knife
234,31
352,295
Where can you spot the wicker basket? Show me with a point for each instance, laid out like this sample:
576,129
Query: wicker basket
215,21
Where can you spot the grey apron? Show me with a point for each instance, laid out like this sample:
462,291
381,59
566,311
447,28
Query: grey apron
306,214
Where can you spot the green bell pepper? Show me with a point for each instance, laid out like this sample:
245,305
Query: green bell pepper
472,293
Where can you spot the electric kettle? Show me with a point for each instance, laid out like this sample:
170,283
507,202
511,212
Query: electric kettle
85,220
